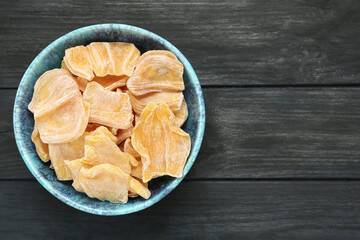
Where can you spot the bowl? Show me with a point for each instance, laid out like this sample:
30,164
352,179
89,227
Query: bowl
51,58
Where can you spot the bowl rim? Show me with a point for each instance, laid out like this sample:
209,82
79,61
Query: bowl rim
19,137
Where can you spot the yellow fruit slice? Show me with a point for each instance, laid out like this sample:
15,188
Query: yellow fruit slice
65,123
116,58
53,89
59,153
136,171
78,61
163,146
129,148
178,143
173,99
42,149
138,188
181,115
112,109
156,71
75,166
105,182
100,148
63,66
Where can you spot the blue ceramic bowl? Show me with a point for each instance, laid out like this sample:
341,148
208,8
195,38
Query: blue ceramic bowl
51,58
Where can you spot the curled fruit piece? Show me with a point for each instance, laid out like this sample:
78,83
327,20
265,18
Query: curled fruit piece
129,148
138,188
163,146
101,59
115,58
100,148
105,182
112,109
59,153
181,115
78,61
156,71
75,166
53,89
173,99
42,149
65,123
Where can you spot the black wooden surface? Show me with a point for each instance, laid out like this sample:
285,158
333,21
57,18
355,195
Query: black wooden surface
280,157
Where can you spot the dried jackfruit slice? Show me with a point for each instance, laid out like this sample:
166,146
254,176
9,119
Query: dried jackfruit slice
181,115
53,89
123,134
75,166
136,171
65,123
105,182
163,146
129,148
78,61
173,99
178,143
138,187
59,153
115,58
156,71
132,194
63,66
42,149
112,109
100,149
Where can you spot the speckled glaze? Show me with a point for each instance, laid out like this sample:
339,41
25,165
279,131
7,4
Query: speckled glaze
51,58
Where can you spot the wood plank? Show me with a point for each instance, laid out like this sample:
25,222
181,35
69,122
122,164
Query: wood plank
195,210
255,133
229,42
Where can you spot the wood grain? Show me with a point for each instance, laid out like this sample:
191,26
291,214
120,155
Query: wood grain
256,133
194,210
229,42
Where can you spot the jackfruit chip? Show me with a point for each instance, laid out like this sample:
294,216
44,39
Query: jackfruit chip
108,108
59,153
75,166
65,123
115,58
78,61
163,146
173,99
181,115
129,148
105,182
42,149
100,148
52,90
156,71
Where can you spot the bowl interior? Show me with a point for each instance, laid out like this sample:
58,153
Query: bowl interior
51,58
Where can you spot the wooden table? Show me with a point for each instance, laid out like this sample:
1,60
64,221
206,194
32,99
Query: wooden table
281,153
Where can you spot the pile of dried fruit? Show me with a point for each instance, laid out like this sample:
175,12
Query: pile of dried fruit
110,119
